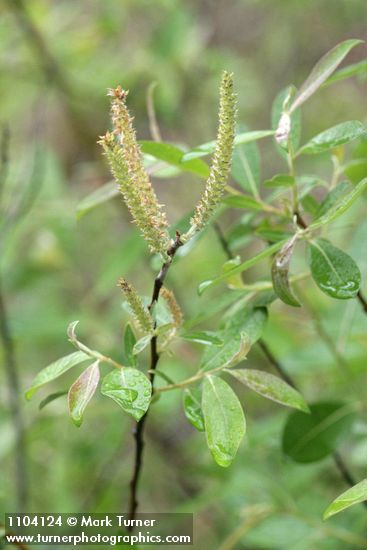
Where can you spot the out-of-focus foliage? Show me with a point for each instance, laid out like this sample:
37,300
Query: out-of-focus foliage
58,59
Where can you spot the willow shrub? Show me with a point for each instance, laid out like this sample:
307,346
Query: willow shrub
288,214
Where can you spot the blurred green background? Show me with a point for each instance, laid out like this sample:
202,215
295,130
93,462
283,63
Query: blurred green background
57,60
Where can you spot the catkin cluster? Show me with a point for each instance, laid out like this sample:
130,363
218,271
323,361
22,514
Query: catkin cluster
140,312
125,159
221,163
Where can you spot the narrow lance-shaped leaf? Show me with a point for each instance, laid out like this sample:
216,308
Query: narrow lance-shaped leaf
250,321
271,387
280,180
141,344
55,370
322,70
241,267
332,198
355,69
99,196
354,495
130,388
333,137
334,272
235,349
203,337
225,423
50,398
242,201
246,166
173,155
208,148
280,273
312,437
82,391
341,206
192,408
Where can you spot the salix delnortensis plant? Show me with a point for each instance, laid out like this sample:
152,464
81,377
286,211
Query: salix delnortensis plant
283,211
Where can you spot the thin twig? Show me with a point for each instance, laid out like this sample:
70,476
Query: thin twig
362,300
11,369
275,363
4,156
153,123
138,430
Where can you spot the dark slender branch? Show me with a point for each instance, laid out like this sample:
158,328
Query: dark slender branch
275,363
4,156
138,430
301,222
362,300
10,364
347,476
11,370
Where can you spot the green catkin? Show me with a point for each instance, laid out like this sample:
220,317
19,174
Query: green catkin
174,308
125,160
140,312
222,157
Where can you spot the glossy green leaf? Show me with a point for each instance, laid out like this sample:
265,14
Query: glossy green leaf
82,391
272,233
312,437
242,201
225,423
355,170
208,148
203,337
355,69
280,274
340,206
129,343
55,370
322,70
99,196
50,398
175,156
130,388
250,321
271,387
192,408
332,198
246,166
295,119
141,344
241,267
280,180
332,137
233,350
233,281
334,272
310,204
354,495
